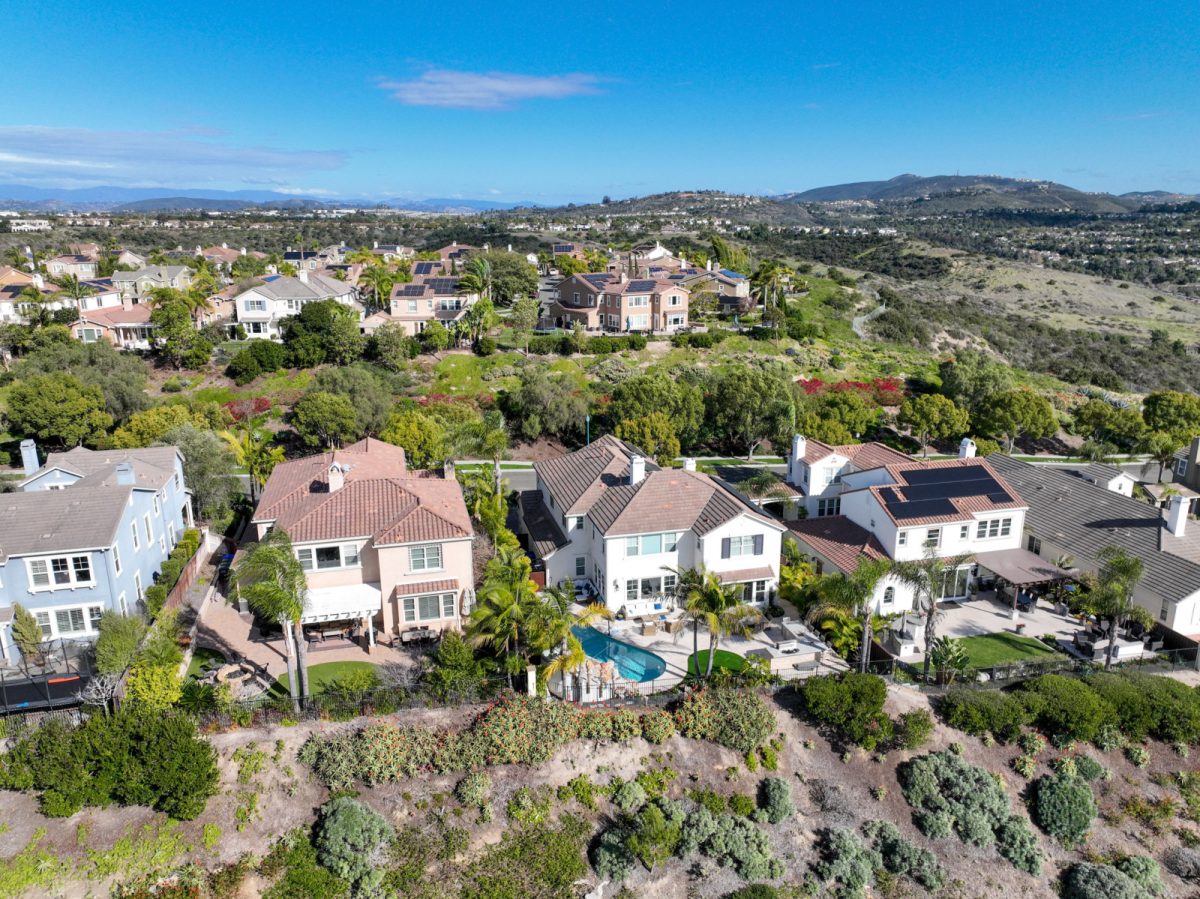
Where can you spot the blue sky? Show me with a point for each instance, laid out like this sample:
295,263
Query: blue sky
555,102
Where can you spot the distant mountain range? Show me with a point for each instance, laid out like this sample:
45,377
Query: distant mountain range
968,193
151,199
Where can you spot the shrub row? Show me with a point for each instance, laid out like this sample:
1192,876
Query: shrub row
519,729
172,568
568,344
1095,709
851,705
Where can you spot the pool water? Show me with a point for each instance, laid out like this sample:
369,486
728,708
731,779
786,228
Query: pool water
633,662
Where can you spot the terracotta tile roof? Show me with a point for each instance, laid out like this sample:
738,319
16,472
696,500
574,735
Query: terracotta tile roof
839,540
962,506
379,499
425,587
117,316
863,455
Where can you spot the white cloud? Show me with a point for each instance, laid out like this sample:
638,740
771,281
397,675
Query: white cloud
485,90
183,157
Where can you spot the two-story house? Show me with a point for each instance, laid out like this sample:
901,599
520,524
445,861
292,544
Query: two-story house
85,533
262,308
904,511
136,286
82,267
428,298
615,524
731,289
222,258
383,546
614,302
816,470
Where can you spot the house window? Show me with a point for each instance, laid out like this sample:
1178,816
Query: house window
1181,467
137,541
43,620
669,583
256,305
328,557
964,533
577,522
631,547
1034,545
749,545
137,585
995,527
754,592
123,603
447,605
94,615
933,537
116,551
155,501
581,566
69,621
902,538
827,507
171,532
425,558
60,571
889,596
652,545
1163,609
428,607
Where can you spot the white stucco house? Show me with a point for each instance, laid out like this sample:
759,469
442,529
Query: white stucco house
262,308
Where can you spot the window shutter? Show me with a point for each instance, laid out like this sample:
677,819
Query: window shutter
758,544
724,547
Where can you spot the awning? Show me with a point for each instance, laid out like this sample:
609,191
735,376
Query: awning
424,587
745,574
342,603
1021,567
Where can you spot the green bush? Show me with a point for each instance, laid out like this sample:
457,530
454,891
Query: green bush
529,805
1143,871
629,796
120,636
348,837
739,719
903,857
979,712
951,795
610,858
155,598
655,833
743,805
777,799
1089,881
1067,708
294,857
1135,714
536,861
1064,807
658,727
1090,769
1138,755
851,705
847,862
154,759
913,729
626,725
474,790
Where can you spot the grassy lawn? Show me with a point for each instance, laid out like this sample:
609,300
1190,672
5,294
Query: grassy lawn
989,650
201,655
724,659
321,676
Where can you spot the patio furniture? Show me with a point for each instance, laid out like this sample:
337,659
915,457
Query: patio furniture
418,633
1154,644
648,628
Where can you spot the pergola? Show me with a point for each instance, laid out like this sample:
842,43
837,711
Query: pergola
1021,568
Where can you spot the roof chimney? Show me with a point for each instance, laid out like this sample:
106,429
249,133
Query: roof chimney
29,457
448,469
224,246
38,281
510,248
337,476
125,473
689,464
637,469
374,245
302,274
967,448
243,251
1177,515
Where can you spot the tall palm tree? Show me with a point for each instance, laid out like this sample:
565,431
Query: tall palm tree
39,314
689,582
501,620
927,577
477,278
852,594
766,285
76,289
380,280
724,613
556,621
269,576
254,453
1119,575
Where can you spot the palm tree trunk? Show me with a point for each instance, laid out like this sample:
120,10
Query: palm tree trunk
302,657
713,642
865,656
291,665
696,643
930,635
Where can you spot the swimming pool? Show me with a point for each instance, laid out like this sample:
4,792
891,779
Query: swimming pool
633,662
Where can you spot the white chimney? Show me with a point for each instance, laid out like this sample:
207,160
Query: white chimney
689,464
224,246
198,250
29,457
967,448
624,277
799,448
1177,515
707,264
243,251
302,274
337,477
637,469
374,245
38,281
125,473
510,248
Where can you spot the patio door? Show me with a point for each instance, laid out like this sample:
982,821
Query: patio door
955,583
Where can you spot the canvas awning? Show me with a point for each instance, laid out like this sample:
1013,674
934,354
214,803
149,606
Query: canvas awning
1020,567
342,603
745,574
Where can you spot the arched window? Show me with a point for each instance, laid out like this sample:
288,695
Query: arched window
889,596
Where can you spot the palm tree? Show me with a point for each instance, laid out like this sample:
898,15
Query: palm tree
379,279
39,314
501,620
256,454
555,625
269,576
947,654
852,593
76,289
1160,447
927,578
477,278
766,285
689,582
722,610
1113,596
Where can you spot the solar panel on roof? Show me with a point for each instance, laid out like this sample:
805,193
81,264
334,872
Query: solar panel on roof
423,268
926,508
413,290
641,285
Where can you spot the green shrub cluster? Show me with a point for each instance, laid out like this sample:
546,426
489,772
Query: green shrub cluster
1090,769
903,857
569,344
292,865
529,805
739,719
851,706
474,790
658,727
979,712
1149,706
130,758
776,794
256,358
1087,880
538,861
847,863
952,796
349,839
1064,807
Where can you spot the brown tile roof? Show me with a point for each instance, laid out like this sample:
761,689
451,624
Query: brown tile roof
595,481
425,587
838,539
545,535
863,455
964,506
379,499
117,316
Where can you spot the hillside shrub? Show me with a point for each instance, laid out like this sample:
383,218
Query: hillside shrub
777,799
847,863
154,759
979,712
529,805
952,796
738,719
913,729
349,839
626,725
658,727
1183,862
1091,881
1090,769
1064,807
654,835
851,705
1143,871
474,790
900,856
611,858
738,844
629,796
1067,708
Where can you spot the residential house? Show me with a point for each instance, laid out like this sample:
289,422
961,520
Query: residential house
615,524
125,326
907,510
816,469
132,260
16,306
614,302
89,249
574,250
732,290
82,267
18,226
455,255
222,258
1107,476
136,285
1069,516
383,546
392,252
262,308
426,299
87,532
304,260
